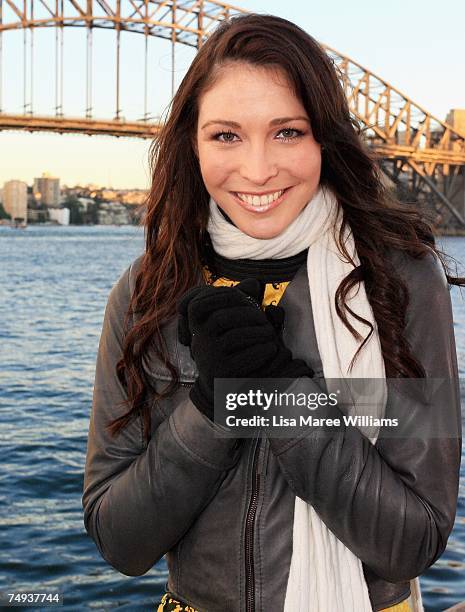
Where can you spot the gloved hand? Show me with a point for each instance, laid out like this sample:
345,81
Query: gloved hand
231,337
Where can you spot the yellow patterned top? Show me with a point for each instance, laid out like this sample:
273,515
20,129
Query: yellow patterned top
169,604
403,606
273,291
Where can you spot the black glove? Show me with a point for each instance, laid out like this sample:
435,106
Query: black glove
231,337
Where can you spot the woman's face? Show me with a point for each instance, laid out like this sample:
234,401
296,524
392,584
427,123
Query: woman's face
258,157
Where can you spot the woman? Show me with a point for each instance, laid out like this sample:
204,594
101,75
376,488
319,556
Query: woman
264,195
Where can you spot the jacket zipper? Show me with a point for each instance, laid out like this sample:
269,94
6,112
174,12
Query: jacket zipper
253,301
250,519
249,527
249,533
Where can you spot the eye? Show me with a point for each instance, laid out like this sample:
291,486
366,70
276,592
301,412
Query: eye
298,134
227,140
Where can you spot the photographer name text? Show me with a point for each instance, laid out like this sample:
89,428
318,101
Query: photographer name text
309,421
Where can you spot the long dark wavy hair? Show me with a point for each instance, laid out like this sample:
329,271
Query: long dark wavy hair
177,206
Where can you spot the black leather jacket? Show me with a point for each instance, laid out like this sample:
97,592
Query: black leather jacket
221,510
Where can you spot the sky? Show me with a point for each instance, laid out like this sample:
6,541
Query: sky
408,43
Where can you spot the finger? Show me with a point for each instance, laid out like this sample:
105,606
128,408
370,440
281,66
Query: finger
255,357
253,288
234,318
204,304
275,315
231,342
186,298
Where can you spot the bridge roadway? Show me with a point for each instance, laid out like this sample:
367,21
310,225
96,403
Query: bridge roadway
146,129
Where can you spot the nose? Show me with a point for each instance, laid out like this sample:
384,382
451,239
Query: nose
258,165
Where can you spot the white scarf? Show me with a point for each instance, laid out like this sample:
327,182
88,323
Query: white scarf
324,574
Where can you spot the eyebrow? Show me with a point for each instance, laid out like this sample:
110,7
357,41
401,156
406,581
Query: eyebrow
273,122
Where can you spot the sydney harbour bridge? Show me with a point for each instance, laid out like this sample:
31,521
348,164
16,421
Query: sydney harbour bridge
422,156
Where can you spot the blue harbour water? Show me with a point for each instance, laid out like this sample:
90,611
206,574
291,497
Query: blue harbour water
54,283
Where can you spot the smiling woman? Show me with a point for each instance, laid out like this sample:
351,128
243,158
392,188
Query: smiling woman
274,251
263,174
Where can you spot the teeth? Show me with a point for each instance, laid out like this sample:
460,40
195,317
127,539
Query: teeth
260,200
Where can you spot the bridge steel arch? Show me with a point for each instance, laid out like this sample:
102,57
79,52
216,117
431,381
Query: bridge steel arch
423,156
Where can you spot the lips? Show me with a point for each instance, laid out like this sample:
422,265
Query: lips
260,199
262,208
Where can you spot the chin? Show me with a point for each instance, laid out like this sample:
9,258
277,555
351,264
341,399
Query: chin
262,233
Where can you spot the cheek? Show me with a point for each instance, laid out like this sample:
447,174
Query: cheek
214,171
307,164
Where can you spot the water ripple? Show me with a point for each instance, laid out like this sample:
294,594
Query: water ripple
54,283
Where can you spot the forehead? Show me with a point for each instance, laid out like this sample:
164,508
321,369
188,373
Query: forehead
243,88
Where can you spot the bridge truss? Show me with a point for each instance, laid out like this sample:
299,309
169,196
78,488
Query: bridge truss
423,156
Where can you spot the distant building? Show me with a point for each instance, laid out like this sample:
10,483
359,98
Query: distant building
47,190
60,215
15,199
109,194
113,214
86,202
134,197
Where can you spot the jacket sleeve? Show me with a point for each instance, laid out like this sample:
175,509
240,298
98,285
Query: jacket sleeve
140,499
392,504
